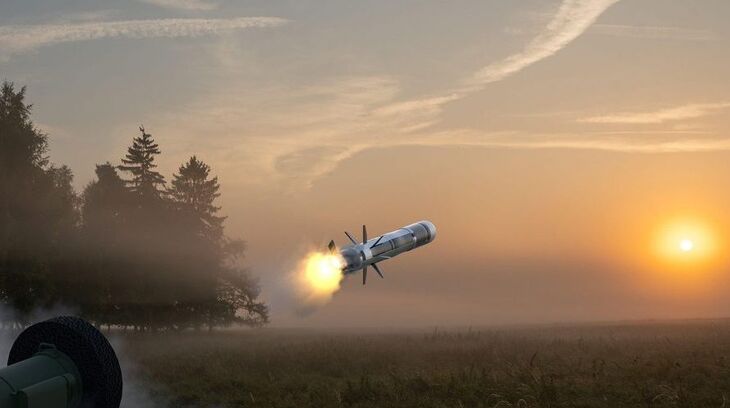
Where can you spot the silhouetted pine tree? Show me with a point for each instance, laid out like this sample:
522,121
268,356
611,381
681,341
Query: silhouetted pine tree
226,294
105,200
194,191
151,232
37,209
140,162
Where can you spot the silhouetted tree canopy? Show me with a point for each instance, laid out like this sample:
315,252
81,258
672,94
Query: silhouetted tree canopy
195,193
37,208
127,252
140,162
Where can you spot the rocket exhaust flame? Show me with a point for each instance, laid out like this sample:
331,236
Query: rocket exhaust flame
319,276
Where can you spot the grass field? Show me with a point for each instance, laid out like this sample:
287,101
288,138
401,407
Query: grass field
633,365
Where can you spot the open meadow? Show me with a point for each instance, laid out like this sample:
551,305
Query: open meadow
653,364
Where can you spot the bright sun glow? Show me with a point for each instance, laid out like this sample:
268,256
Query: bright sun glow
686,245
686,256
685,241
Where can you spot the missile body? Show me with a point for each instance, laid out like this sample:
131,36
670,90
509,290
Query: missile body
371,251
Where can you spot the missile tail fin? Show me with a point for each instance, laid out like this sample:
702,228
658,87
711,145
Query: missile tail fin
377,269
332,247
364,274
364,234
351,238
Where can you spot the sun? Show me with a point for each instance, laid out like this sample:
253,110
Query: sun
684,255
686,245
685,241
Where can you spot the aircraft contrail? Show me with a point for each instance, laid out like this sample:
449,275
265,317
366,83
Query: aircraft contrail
15,39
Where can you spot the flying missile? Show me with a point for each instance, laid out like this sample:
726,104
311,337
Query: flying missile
359,256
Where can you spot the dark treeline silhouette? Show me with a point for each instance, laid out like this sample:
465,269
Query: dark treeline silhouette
129,251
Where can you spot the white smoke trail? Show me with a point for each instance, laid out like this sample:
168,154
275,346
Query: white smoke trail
22,38
136,392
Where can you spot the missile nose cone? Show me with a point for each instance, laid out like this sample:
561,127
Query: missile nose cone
431,229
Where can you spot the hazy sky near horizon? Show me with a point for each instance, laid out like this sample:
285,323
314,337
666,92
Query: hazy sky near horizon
549,141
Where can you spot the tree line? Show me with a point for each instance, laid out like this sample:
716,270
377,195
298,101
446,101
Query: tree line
131,250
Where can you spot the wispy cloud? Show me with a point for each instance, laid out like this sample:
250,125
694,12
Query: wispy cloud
22,38
286,136
193,5
86,16
569,22
653,32
303,134
291,137
628,143
690,111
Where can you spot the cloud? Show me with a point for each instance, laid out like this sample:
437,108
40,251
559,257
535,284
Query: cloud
690,111
79,16
571,20
291,137
628,142
17,39
279,133
652,32
192,5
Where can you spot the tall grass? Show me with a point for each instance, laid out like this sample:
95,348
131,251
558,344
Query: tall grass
651,365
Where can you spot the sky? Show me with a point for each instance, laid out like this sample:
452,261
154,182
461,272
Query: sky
562,147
